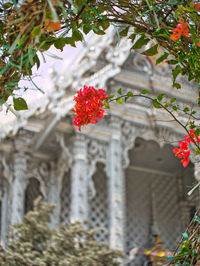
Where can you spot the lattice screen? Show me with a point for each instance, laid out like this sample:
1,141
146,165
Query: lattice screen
65,198
98,206
31,193
139,187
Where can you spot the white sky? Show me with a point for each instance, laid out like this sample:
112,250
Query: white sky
43,77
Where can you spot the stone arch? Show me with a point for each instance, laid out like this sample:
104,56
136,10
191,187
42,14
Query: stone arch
156,201
99,205
32,191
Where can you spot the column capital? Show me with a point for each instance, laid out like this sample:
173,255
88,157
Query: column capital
80,147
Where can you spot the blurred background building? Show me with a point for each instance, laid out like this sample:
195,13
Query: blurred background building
119,174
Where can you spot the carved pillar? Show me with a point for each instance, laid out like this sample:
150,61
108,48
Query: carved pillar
18,187
197,171
54,198
4,217
79,180
116,187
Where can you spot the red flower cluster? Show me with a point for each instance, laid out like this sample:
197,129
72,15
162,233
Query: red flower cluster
88,107
196,6
183,152
182,29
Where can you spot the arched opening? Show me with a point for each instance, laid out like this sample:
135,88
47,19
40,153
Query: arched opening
156,198
65,198
98,205
31,193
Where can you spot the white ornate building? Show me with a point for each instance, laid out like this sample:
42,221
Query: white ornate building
119,174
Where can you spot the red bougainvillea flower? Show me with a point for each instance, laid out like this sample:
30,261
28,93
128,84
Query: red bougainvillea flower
178,153
196,6
185,161
198,44
183,152
88,108
182,29
183,145
191,138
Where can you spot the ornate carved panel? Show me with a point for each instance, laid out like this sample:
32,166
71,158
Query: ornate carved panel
96,153
140,187
98,205
65,198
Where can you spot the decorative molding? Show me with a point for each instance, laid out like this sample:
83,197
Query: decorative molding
40,171
130,131
65,160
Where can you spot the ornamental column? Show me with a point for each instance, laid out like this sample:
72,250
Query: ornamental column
54,198
79,180
18,187
116,186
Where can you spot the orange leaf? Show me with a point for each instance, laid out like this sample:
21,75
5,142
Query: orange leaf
50,25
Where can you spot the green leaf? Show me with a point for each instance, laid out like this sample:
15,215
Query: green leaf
172,62
176,71
197,132
77,35
141,42
176,85
151,51
160,97
124,32
71,41
98,31
105,24
145,91
37,61
20,104
186,109
130,94
132,37
156,104
107,105
197,152
36,31
119,91
162,58
60,43
119,101
185,235
87,28
162,33
174,107
172,100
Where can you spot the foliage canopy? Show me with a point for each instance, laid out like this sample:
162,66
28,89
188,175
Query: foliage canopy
33,243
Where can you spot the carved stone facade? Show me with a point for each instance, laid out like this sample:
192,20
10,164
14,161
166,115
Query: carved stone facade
119,174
